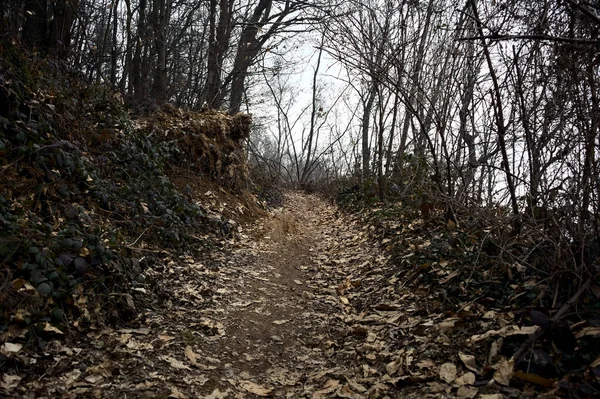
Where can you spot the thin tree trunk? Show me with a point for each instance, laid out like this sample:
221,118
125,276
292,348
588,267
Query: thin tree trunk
313,118
114,54
499,116
138,84
414,87
126,83
159,24
218,42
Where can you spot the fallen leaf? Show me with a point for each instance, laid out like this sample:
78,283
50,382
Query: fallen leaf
504,371
328,387
588,331
176,393
176,364
534,379
448,324
50,328
356,386
280,322
392,367
448,372
466,379
467,392
94,378
505,332
469,361
9,348
191,355
9,382
216,394
437,387
255,388
346,392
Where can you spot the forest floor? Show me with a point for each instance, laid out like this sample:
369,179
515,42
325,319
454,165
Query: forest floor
297,306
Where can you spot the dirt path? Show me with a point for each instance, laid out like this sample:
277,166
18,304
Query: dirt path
303,305
264,317
281,312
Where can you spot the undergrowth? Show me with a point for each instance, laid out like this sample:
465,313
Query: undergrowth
84,200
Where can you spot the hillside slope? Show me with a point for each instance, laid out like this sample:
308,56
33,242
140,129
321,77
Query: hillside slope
91,195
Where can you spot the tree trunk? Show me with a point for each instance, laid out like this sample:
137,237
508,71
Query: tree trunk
414,87
138,84
248,48
365,127
219,36
114,55
126,79
499,116
34,28
160,10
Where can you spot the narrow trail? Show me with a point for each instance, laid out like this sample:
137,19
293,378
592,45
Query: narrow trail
266,316
280,312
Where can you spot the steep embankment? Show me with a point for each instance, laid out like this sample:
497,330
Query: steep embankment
91,196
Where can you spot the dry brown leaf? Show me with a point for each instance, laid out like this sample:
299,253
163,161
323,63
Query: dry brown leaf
448,324
426,364
495,349
356,386
346,392
50,328
317,376
588,331
534,379
328,387
9,382
469,361
191,355
392,367
466,379
448,372
504,371
176,364
176,393
69,378
505,332
254,388
94,378
467,392
9,348
437,387
216,394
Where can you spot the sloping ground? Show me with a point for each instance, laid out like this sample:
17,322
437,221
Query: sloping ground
303,305
90,195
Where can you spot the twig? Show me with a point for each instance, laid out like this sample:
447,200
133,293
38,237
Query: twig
140,236
561,312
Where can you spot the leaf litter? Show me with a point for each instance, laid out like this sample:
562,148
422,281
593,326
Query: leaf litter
301,304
